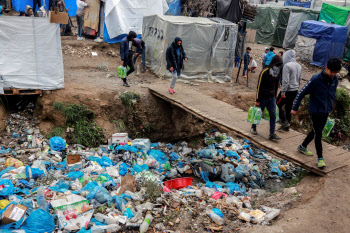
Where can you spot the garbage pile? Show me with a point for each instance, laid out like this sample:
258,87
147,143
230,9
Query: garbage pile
130,184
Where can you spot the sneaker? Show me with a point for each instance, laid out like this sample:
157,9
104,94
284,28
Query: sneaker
126,85
143,71
171,91
304,150
79,38
284,127
82,38
274,137
253,131
321,163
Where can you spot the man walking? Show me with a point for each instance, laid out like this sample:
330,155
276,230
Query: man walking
81,4
266,93
141,51
175,55
36,2
291,79
321,88
126,53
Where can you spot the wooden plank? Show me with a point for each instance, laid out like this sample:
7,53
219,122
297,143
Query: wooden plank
229,118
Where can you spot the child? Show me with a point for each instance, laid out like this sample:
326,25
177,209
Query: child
253,65
246,61
263,57
280,53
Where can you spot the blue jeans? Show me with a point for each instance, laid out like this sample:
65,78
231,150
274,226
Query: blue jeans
245,69
270,104
143,56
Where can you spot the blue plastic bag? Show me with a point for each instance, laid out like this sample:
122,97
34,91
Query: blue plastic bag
61,165
8,189
233,154
61,186
158,155
75,175
29,204
213,185
123,169
174,156
105,161
218,212
126,148
137,168
6,170
57,144
241,171
116,200
100,194
205,176
207,153
33,173
234,187
275,170
128,213
39,221
226,173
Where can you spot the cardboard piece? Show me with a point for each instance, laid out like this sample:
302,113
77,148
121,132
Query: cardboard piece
74,163
73,212
13,213
58,17
127,184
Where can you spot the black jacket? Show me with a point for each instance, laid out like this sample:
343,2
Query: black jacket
171,57
267,84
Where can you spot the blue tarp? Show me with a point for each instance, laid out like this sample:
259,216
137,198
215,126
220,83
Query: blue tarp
298,4
116,39
20,5
174,8
330,38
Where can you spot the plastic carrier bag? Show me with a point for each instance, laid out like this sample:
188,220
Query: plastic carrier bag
254,115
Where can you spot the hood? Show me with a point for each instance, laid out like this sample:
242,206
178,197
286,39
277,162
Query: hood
266,49
27,8
276,60
289,56
177,39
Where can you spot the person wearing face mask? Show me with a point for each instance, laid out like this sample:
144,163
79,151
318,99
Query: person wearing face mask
266,94
291,79
175,55
321,88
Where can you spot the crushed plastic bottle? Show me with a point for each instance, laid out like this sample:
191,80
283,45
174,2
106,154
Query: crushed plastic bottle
105,219
146,222
103,229
40,198
216,218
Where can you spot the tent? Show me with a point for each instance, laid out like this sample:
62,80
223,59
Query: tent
31,53
337,14
298,3
124,16
230,10
208,43
296,17
330,40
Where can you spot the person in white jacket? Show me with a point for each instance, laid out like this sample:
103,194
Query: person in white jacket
81,4
263,66
291,79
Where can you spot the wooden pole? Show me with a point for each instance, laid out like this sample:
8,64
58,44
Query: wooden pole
239,70
247,76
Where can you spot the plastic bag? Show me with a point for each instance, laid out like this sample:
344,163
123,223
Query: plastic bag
207,153
254,64
121,72
6,170
12,162
137,168
233,154
217,195
4,203
57,143
227,173
328,127
105,161
174,156
158,155
29,204
7,189
205,176
33,173
128,213
233,187
241,171
75,175
218,212
123,169
100,194
34,223
267,115
254,115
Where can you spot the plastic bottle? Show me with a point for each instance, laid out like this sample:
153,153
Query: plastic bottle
145,206
105,219
216,218
138,69
102,229
146,222
40,198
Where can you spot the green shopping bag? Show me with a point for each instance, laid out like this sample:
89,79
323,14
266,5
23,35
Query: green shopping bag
267,115
328,127
121,72
254,115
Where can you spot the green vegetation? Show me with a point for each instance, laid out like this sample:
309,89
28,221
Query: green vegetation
153,189
129,98
120,125
58,106
294,181
341,113
74,113
55,132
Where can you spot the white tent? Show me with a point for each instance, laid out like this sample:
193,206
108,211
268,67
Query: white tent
31,53
124,16
209,45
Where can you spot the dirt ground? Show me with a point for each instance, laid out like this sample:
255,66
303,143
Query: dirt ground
322,203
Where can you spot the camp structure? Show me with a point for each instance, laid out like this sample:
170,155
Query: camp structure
273,23
318,42
209,45
31,54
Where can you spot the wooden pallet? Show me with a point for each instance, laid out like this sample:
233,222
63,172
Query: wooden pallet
15,91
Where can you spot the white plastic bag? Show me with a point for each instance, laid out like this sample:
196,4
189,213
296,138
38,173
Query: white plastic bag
254,64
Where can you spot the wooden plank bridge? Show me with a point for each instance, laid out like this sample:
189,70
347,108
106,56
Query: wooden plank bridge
230,118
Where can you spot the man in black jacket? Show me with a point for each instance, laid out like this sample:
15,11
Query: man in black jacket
175,55
266,93
321,88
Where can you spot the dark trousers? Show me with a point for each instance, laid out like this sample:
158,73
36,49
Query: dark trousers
270,104
245,69
143,56
129,63
287,102
80,22
318,123
36,2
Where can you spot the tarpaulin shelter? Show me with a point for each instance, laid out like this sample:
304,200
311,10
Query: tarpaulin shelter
298,4
124,16
330,40
337,14
296,17
174,7
209,45
230,10
31,53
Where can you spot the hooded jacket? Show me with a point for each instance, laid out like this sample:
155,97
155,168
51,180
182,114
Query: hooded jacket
268,57
27,10
322,90
267,84
0,10
171,55
124,48
291,74
264,54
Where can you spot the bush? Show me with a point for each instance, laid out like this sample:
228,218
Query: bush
341,113
58,106
74,113
129,98
55,132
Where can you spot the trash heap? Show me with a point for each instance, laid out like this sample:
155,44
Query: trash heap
130,184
